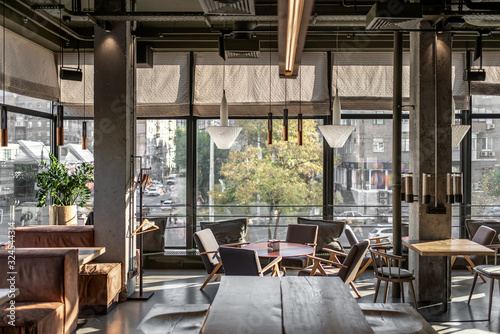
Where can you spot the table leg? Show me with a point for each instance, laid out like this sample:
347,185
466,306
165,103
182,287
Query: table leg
446,274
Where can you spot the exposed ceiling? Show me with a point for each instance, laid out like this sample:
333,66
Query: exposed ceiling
182,25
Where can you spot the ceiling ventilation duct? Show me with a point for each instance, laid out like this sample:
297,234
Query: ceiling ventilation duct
228,7
399,16
242,44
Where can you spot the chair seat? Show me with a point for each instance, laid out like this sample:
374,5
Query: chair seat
394,271
329,270
294,262
488,271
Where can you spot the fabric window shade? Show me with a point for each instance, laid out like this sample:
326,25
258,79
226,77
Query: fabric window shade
365,80
30,68
162,91
247,86
491,64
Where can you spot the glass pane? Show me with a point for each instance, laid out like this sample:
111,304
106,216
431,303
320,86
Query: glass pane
27,102
162,145
269,184
363,179
72,154
29,144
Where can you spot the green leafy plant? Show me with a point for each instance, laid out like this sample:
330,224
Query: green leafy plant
64,188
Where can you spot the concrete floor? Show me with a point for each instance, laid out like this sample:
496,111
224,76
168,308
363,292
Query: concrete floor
179,287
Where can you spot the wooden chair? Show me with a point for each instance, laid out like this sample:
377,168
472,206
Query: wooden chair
484,236
387,267
493,273
245,262
209,251
345,271
353,240
300,234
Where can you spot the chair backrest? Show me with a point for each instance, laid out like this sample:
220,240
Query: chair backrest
240,261
228,231
328,232
484,235
386,265
302,233
351,237
473,225
205,241
353,261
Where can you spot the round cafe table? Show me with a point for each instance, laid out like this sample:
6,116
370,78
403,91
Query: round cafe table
286,249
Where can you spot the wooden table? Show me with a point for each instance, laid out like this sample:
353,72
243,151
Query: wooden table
447,248
300,304
6,295
287,249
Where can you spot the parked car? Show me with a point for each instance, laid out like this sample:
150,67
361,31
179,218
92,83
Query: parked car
152,191
492,211
381,231
355,217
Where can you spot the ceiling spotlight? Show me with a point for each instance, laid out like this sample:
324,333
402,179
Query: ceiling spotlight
107,26
25,20
67,19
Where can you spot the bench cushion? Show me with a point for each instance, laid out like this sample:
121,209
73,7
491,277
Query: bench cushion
54,236
99,283
40,318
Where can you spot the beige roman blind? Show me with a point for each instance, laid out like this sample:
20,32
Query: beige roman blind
249,89
491,64
30,69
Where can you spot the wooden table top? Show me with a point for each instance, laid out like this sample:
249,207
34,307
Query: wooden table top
447,247
320,305
6,295
246,304
287,249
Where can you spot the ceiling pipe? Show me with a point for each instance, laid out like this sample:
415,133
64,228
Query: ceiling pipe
482,5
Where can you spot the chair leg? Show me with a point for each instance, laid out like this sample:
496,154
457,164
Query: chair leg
216,269
386,294
402,291
376,291
412,292
492,285
362,269
355,290
472,287
472,265
217,277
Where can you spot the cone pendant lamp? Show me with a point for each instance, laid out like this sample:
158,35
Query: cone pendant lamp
336,135
223,135
458,131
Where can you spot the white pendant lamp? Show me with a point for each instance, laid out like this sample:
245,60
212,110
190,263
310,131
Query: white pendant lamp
336,135
223,135
458,132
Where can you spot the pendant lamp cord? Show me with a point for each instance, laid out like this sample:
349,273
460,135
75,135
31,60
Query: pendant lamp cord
62,52
337,67
300,90
285,90
224,75
84,26
270,55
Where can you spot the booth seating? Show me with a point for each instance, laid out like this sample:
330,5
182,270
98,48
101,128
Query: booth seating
99,284
48,297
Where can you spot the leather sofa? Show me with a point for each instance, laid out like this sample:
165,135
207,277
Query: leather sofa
99,284
47,280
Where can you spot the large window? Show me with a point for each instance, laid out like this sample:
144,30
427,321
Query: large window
162,146
269,184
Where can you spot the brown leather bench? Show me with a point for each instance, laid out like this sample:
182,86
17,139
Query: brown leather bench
99,284
47,280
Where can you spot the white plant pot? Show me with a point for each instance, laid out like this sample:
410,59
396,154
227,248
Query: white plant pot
63,215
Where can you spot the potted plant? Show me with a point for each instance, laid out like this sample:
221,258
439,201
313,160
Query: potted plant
66,189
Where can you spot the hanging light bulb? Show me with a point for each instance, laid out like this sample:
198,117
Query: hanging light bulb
60,126
3,130
84,135
270,128
299,126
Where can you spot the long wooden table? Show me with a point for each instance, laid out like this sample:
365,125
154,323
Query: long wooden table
291,305
447,248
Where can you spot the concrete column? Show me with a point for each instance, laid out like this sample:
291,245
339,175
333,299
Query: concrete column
114,121
430,147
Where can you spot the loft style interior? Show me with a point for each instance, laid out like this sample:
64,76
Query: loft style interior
227,107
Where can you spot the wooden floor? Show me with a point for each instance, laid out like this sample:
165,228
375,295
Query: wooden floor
179,287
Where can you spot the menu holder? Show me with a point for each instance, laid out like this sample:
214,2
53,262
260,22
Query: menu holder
273,245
